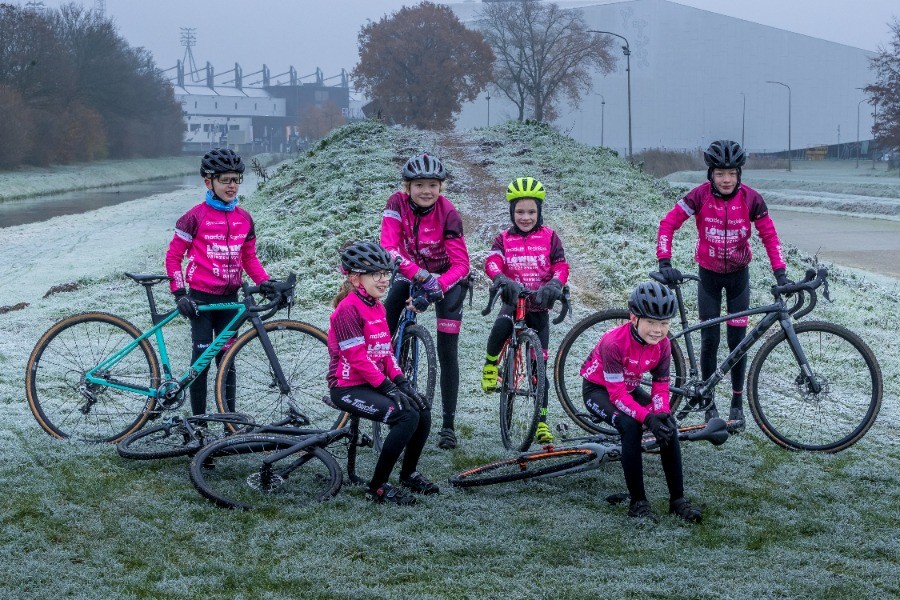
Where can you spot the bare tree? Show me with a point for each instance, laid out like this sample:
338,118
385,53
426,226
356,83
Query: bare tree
543,53
886,93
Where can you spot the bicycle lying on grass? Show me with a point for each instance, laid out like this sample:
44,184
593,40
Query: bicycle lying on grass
280,462
579,455
96,377
522,375
813,385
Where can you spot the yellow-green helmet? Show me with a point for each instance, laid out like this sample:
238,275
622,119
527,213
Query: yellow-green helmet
525,187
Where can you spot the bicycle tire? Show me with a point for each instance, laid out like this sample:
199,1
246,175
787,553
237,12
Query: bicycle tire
173,439
67,407
422,374
574,349
302,352
229,473
523,467
522,385
835,418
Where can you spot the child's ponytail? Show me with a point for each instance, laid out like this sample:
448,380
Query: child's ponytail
343,292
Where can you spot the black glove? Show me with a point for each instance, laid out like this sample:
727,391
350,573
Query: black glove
186,305
781,277
548,293
390,390
267,287
509,289
422,300
406,387
669,273
661,425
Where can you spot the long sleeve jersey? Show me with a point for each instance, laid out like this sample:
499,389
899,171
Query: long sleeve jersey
219,245
617,363
723,228
359,344
432,241
531,258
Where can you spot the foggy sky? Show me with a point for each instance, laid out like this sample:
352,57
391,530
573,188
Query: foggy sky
323,33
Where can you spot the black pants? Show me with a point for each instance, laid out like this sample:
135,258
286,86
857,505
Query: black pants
449,313
503,328
596,400
409,428
203,329
736,286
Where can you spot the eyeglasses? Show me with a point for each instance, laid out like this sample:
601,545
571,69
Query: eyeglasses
380,275
229,180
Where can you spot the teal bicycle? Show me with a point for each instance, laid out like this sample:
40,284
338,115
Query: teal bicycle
96,377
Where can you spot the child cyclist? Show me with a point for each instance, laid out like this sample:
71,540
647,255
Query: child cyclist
528,255
612,392
723,209
364,378
422,229
219,240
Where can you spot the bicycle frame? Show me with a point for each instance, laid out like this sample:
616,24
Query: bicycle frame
407,317
169,388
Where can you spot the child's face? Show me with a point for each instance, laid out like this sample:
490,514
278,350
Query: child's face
376,284
651,331
424,192
225,185
725,180
525,215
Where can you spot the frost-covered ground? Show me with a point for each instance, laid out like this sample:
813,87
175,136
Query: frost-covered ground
78,521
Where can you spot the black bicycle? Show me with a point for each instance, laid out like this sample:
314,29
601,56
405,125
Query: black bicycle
281,462
813,385
576,456
522,375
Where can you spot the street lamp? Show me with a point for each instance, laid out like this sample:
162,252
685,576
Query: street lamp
743,114
874,122
789,119
602,107
626,49
858,146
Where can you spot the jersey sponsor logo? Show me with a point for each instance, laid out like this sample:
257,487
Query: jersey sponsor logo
359,404
214,236
352,342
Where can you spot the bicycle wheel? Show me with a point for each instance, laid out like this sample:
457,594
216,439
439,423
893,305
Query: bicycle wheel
522,385
180,436
302,352
574,349
67,406
523,467
795,417
233,473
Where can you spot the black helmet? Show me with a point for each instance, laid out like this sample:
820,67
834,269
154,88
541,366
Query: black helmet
653,301
365,257
424,166
221,160
724,154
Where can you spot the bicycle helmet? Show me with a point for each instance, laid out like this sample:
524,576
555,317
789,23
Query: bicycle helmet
424,166
365,257
724,154
221,160
525,187
652,300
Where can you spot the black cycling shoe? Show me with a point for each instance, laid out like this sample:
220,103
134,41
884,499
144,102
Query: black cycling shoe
419,484
446,439
387,493
737,414
641,510
683,509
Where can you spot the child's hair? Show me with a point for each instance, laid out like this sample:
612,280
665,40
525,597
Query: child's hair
343,292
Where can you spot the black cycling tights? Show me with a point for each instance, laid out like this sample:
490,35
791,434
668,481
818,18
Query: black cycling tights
709,301
203,329
596,400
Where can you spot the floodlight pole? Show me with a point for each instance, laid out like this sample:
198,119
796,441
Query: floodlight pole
626,49
789,119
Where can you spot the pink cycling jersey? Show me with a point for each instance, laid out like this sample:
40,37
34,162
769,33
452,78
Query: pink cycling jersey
532,258
359,344
723,228
432,241
617,363
219,245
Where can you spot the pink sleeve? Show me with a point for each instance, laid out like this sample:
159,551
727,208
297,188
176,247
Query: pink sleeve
351,340
495,261
251,262
459,263
659,385
391,239
613,375
558,264
670,223
772,244
391,367
174,255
